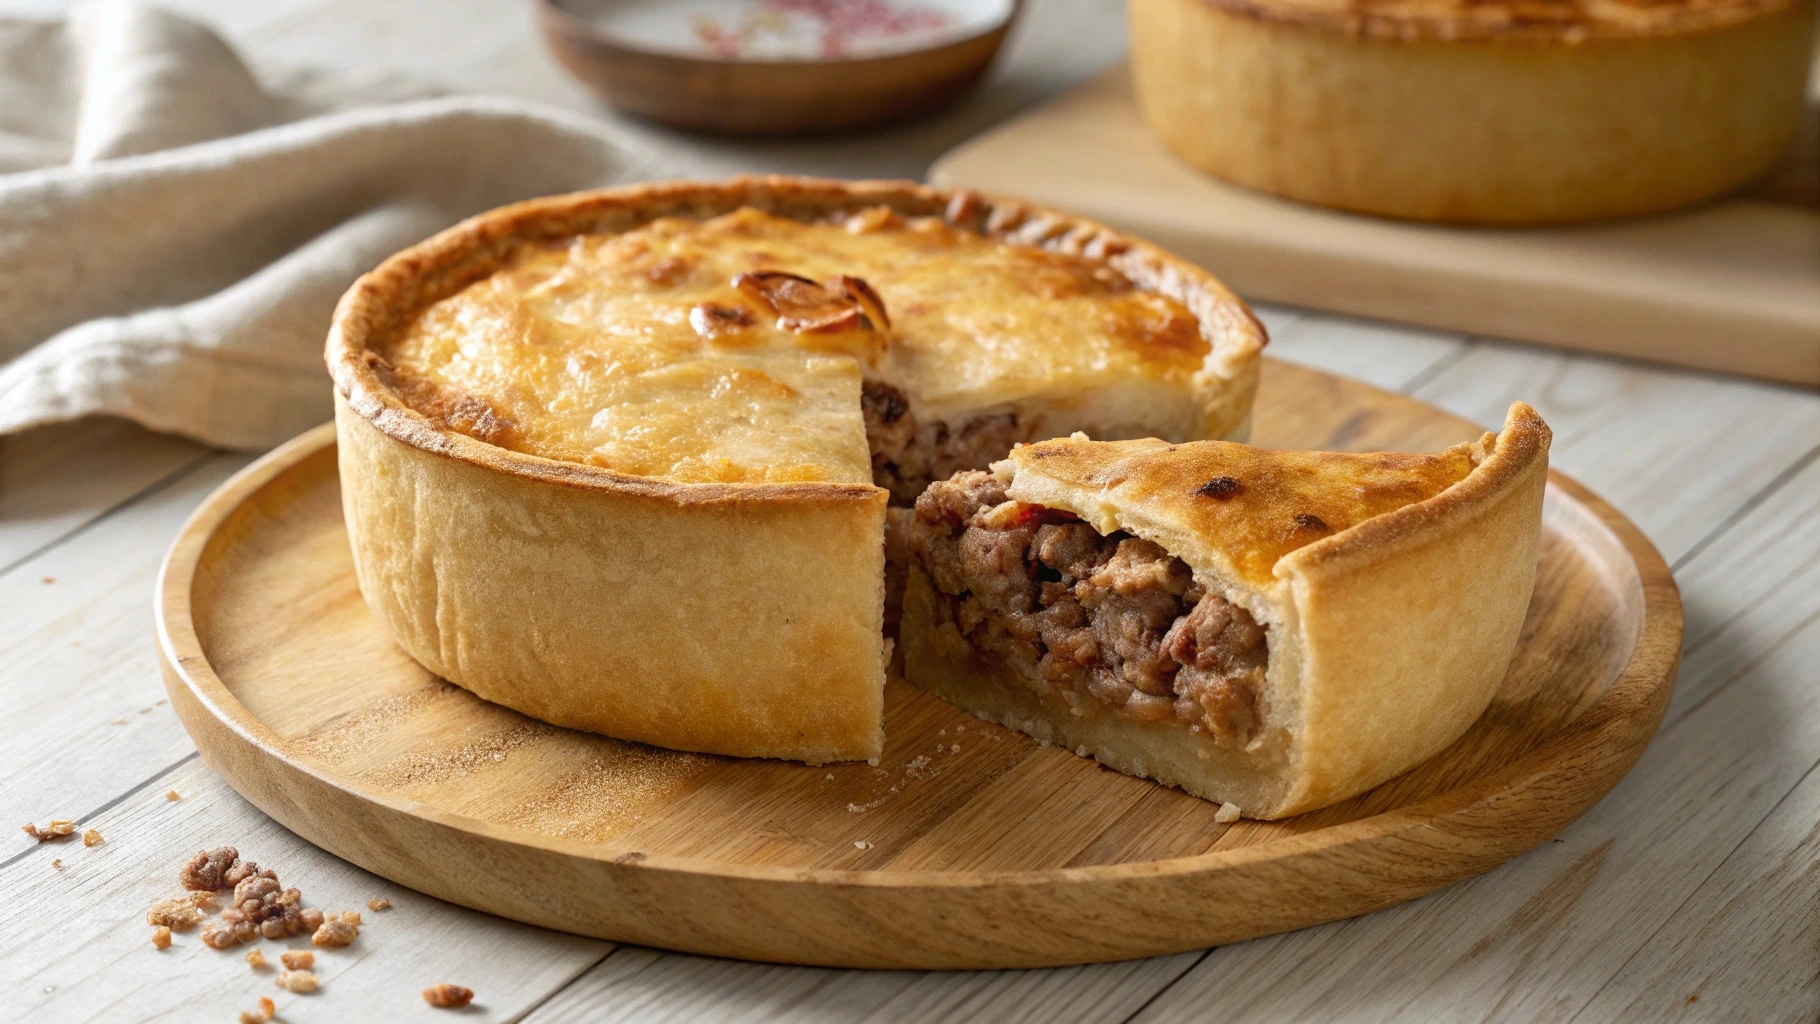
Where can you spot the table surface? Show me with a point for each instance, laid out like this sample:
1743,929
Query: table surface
1691,892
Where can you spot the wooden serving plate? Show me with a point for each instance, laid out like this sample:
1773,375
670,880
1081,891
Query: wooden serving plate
967,846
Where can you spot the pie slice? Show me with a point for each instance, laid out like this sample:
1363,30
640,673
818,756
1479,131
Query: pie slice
1273,630
622,460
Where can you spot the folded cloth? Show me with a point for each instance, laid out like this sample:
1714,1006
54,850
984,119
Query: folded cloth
174,236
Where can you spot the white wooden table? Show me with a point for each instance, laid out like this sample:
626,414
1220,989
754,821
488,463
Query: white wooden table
1691,893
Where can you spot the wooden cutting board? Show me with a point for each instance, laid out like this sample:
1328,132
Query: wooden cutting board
966,846
1731,286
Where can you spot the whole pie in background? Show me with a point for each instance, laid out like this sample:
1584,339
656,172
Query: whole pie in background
1477,111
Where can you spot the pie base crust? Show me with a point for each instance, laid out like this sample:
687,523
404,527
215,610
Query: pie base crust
1387,640
731,618
1441,112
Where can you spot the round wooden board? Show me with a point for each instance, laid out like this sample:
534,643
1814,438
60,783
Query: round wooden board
966,846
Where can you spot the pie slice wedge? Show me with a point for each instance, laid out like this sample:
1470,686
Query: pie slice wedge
1273,630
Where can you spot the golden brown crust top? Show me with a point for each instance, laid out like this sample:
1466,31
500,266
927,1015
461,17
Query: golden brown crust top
1558,21
1254,503
732,348
383,304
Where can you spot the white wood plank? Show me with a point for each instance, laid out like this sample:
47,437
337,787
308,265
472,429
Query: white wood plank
650,986
1385,355
1735,590
1743,948
1677,450
74,945
85,714
55,479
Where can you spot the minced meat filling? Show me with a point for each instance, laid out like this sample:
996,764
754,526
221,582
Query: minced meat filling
907,455
1115,619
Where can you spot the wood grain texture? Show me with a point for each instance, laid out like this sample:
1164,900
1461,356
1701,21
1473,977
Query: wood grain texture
966,846
1665,288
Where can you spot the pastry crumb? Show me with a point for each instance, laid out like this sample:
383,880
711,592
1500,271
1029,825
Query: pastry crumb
92,837
873,761
448,997
955,749
50,579
57,863
266,1008
297,959
298,981
1227,814
855,808
57,829
255,958
861,844
379,904
334,933
172,795
161,937
177,913
829,776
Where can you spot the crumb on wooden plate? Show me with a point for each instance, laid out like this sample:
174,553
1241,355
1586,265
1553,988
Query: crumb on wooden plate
1227,814
298,981
172,795
57,829
92,837
378,904
448,997
861,844
161,937
57,862
255,958
297,959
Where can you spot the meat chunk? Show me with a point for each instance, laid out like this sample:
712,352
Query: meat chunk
1113,619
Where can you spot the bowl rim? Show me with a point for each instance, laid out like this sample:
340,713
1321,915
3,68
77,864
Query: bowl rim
555,16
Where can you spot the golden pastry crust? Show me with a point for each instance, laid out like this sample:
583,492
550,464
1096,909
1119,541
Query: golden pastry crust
734,616
1525,112
1387,637
1567,21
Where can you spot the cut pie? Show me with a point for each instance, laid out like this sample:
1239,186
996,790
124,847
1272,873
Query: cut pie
621,460
1274,630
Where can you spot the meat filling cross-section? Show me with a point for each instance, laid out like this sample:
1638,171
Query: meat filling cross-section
1109,622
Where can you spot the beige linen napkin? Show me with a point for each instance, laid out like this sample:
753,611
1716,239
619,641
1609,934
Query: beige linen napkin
173,236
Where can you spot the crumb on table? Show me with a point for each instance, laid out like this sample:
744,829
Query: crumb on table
57,829
92,837
298,959
161,937
298,981
448,997
173,795
255,958
378,904
178,913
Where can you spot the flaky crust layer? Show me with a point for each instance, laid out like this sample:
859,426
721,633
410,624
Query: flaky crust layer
1430,111
1387,639
735,618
